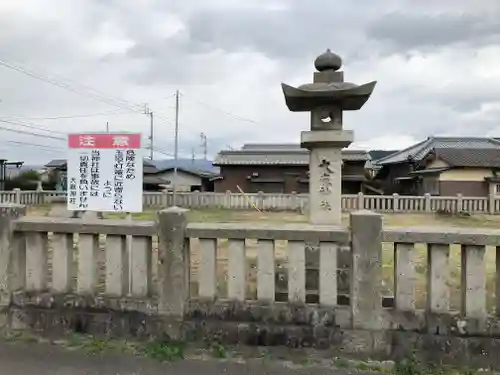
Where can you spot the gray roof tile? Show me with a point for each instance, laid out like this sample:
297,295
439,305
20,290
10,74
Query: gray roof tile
276,154
419,150
469,157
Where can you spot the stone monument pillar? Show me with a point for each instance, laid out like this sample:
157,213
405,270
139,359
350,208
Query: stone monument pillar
326,98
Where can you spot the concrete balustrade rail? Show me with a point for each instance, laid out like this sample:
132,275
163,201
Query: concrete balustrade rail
289,202
121,278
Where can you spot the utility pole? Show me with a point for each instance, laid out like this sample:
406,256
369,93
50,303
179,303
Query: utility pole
204,145
149,113
193,155
151,132
107,127
176,147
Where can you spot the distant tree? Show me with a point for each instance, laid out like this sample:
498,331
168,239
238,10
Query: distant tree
29,176
25,181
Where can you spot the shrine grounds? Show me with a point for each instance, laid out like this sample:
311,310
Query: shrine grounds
389,220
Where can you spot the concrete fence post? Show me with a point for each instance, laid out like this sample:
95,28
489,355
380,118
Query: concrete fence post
195,202
227,200
366,271
17,196
395,202
491,204
260,200
164,198
361,201
294,202
11,271
460,203
173,267
427,203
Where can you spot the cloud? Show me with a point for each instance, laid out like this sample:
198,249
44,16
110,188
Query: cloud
421,31
435,63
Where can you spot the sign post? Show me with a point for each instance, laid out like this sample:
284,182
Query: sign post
105,172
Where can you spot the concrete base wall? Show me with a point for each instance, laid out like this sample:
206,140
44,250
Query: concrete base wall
305,327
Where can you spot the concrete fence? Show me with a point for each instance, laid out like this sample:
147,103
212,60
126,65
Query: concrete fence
290,202
214,282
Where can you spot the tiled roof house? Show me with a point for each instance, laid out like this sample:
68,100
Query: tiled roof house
443,166
280,168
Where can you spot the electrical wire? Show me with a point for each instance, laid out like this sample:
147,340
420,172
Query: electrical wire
236,117
118,112
35,145
100,97
39,147
2,128
31,126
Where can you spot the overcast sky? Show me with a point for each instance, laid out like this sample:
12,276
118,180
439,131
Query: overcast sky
436,63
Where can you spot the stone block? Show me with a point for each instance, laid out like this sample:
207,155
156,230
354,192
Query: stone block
173,259
12,210
366,272
326,138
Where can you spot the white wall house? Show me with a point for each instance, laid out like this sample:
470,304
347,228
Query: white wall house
186,181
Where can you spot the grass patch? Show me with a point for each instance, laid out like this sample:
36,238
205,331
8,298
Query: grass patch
412,366
164,351
363,366
225,215
218,350
96,346
389,219
91,345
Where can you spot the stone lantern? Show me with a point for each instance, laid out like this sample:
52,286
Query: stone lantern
326,98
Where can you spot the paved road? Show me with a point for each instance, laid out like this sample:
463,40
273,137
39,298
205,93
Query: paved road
44,359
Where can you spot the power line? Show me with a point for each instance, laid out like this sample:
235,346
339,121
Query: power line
112,97
118,112
38,146
162,152
166,119
96,95
99,97
30,126
33,144
236,117
29,133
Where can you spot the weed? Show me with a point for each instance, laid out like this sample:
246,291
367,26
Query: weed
341,363
76,341
95,346
409,366
218,350
305,361
165,351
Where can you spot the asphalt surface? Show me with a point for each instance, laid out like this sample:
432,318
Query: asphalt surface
45,359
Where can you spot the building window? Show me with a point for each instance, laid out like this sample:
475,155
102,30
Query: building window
497,189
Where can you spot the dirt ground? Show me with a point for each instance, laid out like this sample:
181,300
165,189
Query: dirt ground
274,218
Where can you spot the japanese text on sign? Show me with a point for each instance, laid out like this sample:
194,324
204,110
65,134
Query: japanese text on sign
105,172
